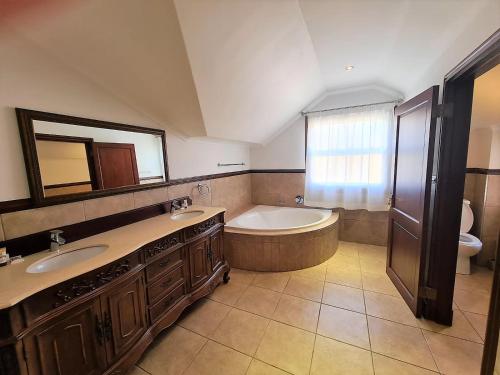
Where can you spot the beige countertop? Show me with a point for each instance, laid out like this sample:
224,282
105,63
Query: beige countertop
16,284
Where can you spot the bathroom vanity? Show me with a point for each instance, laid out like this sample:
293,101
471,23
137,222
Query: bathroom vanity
101,321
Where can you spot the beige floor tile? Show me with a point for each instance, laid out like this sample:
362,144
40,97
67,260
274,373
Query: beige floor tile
261,368
342,261
297,312
137,371
172,352
479,323
388,366
373,265
472,301
380,283
401,342
347,249
217,359
455,356
460,328
271,280
344,325
389,307
205,317
242,276
259,301
332,357
305,288
287,347
228,293
372,252
317,272
344,276
344,297
241,330
480,279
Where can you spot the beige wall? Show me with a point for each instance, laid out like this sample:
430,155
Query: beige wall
234,193
280,189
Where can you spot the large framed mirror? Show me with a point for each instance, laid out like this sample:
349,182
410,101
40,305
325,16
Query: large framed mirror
72,158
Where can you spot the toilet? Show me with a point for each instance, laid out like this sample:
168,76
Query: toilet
468,245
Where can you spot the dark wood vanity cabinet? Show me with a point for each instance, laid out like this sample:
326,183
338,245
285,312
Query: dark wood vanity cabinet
123,316
67,344
101,322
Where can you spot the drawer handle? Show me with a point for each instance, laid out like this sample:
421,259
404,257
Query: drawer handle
169,301
165,262
166,282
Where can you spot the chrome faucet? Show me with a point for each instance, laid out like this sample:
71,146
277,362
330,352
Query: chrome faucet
56,240
175,206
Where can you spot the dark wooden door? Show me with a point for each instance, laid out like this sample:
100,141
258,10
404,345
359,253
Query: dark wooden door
70,344
115,165
124,316
199,262
409,211
216,250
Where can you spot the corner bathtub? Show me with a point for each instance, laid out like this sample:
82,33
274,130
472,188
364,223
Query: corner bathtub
268,238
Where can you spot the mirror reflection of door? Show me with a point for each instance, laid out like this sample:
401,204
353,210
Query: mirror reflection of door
115,165
66,164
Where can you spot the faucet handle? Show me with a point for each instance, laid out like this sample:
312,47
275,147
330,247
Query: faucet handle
55,235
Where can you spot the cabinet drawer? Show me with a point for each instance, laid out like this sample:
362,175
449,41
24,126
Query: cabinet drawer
165,283
163,265
162,245
166,303
202,227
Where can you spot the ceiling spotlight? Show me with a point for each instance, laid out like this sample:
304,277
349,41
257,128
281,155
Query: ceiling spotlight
349,67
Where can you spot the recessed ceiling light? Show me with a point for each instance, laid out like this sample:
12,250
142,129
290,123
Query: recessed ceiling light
349,67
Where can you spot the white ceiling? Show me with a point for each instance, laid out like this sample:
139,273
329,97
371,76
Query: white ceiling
241,69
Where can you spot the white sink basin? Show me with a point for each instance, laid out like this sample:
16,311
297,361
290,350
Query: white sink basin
65,259
186,215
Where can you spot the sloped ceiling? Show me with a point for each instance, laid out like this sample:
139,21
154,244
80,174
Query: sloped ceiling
241,69
135,51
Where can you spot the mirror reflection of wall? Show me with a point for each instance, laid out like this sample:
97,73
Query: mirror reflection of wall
76,159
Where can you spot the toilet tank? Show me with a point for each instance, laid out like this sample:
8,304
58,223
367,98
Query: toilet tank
467,217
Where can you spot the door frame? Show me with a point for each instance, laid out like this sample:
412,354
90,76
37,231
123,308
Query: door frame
451,148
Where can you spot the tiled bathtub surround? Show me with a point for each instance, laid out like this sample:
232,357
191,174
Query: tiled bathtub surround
287,252
233,192
280,189
484,193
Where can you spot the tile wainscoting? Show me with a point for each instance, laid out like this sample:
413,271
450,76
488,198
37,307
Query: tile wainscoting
237,193
280,189
483,190
233,192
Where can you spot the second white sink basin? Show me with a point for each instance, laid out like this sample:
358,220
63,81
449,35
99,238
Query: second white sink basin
65,259
186,215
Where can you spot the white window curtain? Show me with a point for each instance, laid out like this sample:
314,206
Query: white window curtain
350,157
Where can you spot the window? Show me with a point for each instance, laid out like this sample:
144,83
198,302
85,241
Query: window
349,158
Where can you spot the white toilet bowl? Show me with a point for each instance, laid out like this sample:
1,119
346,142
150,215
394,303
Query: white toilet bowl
468,246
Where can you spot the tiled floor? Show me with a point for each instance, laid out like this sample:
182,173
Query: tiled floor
341,317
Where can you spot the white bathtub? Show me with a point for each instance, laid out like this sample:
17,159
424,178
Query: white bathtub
271,218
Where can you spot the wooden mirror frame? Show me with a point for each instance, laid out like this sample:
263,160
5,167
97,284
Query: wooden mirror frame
25,119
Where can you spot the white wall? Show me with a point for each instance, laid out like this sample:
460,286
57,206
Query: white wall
484,148
29,78
287,149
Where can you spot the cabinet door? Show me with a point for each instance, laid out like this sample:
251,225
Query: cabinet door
70,344
216,250
198,262
124,316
